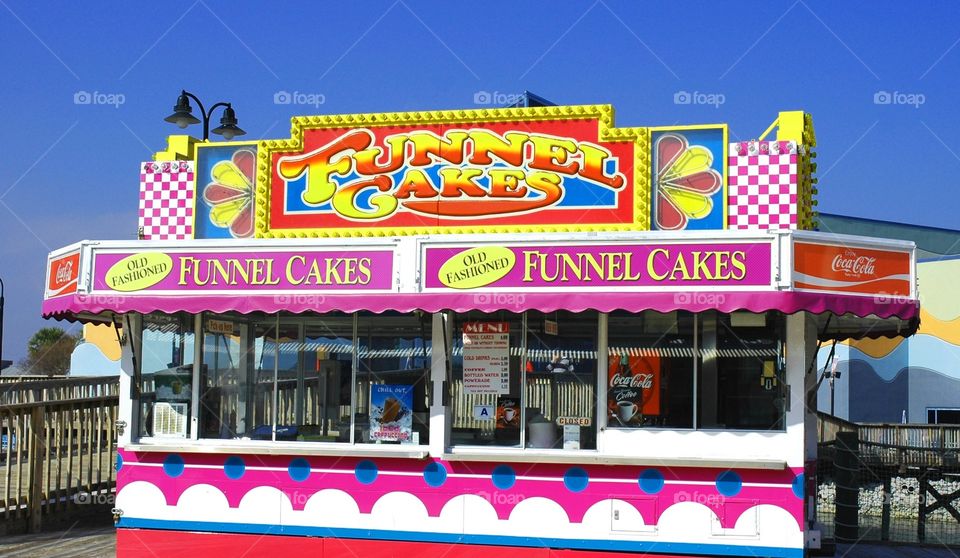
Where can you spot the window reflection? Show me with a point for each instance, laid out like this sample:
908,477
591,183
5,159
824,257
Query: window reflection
393,371
166,375
650,370
742,379
561,380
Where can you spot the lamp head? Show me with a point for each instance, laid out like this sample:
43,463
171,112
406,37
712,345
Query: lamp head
228,125
182,112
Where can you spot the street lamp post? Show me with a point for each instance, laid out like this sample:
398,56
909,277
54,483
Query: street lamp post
183,116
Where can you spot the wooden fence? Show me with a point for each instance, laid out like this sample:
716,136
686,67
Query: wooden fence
56,455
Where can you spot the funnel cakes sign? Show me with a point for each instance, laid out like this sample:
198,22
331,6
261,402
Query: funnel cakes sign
507,170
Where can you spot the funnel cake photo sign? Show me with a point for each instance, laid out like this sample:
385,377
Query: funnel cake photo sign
501,170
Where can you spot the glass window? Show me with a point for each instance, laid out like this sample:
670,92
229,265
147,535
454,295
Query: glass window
650,370
741,380
525,379
486,367
324,388
280,361
560,380
393,370
166,375
222,379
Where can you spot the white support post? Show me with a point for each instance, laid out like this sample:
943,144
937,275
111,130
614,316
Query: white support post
125,410
440,426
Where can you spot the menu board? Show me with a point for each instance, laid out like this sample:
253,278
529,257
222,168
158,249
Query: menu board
486,357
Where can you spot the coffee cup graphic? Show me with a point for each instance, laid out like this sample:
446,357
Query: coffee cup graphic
509,414
626,410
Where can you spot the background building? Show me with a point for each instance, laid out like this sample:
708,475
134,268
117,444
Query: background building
883,379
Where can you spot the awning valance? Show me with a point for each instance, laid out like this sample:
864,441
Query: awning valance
866,280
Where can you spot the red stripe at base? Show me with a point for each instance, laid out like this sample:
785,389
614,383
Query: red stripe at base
150,543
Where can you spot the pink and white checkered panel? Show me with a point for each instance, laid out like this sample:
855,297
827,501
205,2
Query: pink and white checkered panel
762,192
166,200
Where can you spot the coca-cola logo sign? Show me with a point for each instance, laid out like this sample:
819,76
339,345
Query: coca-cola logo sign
63,273
641,381
851,264
633,394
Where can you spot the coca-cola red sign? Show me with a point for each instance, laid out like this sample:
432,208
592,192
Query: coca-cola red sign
633,390
852,269
62,274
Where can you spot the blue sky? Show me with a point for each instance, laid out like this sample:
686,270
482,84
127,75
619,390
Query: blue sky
68,171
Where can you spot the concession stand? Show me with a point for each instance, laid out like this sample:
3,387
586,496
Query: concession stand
473,332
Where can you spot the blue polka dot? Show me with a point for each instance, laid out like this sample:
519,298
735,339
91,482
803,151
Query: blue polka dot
798,486
299,469
173,465
119,462
576,479
234,467
435,474
366,472
729,483
503,477
651,481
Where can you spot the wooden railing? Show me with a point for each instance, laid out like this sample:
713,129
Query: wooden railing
56,455
902,445
26,390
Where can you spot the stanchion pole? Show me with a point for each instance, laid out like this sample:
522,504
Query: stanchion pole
847,518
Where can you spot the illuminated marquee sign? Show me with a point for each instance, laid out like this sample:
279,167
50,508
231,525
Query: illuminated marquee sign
507,170
602,266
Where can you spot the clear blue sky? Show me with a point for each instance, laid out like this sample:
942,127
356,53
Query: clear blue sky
68,171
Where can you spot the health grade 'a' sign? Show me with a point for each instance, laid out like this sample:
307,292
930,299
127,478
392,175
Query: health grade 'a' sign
509,170
613,265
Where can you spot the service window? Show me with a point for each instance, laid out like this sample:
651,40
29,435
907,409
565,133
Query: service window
651,365
525,379
486,367
393,370
560,380
741,381
165,375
